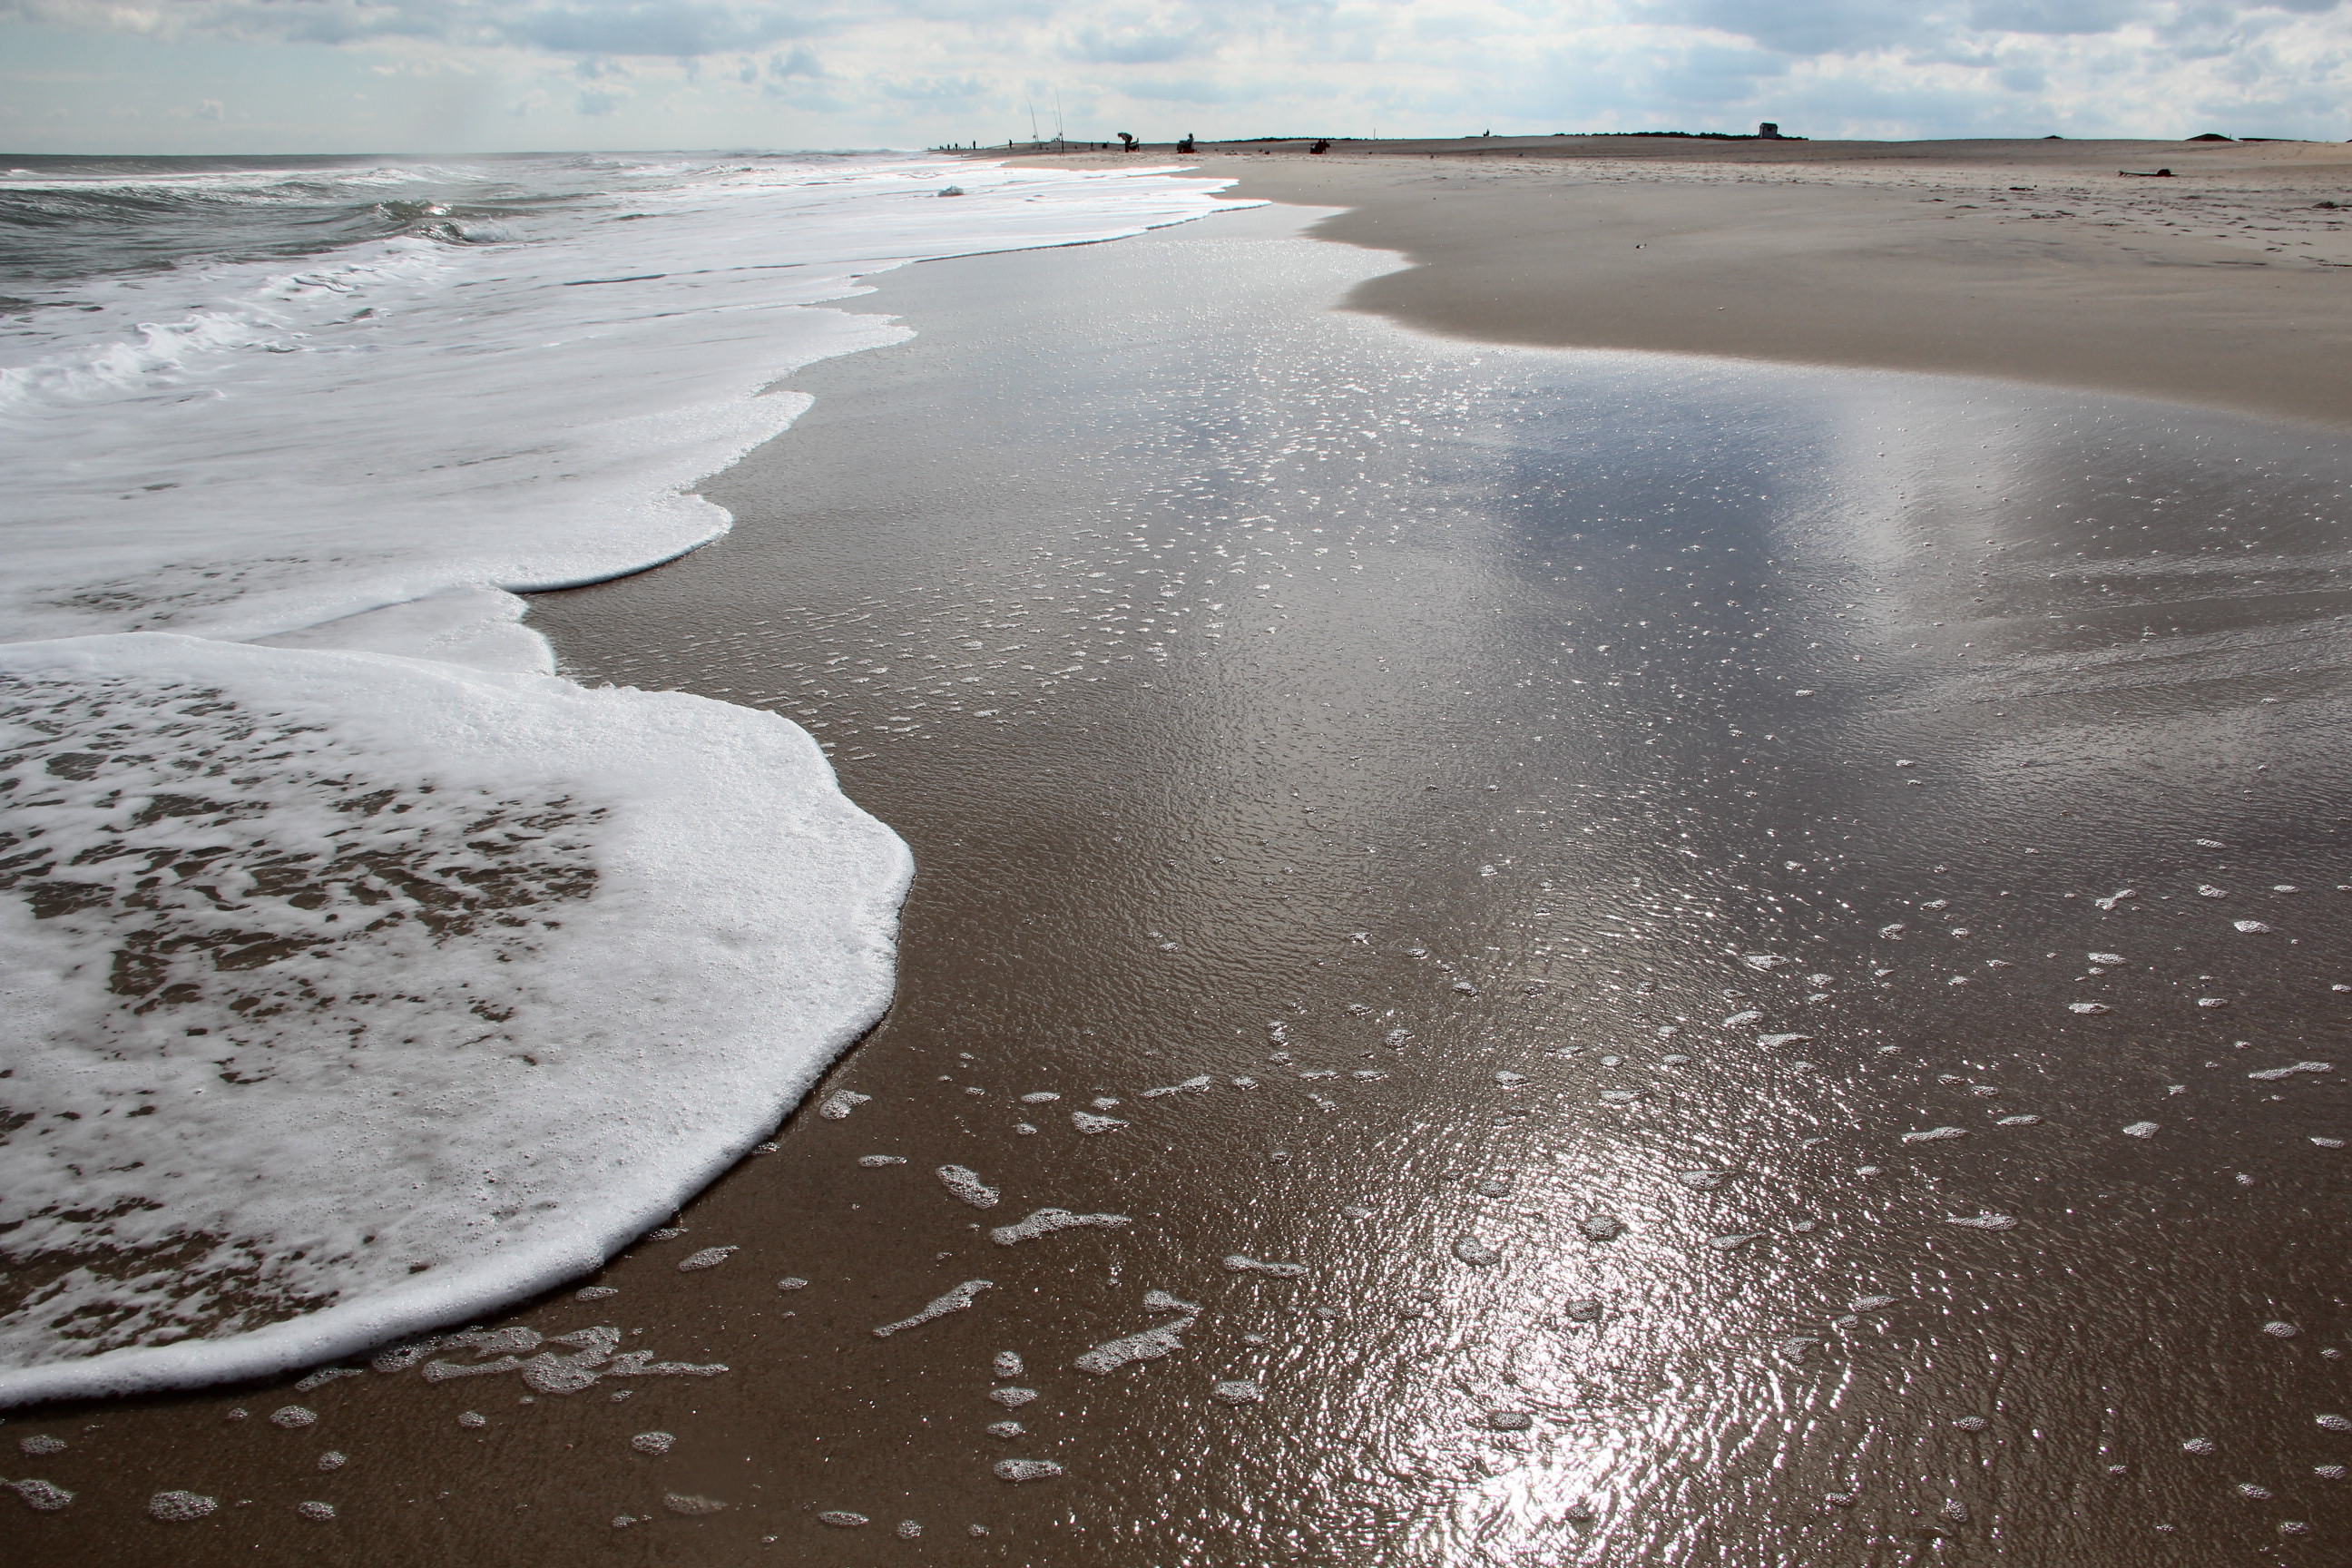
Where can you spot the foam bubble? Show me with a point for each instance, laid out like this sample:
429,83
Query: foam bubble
841,1519
837,1106
1475,1253
955,1300
1086,1123
595,1292
653,1442
2141,1130
875,1162
1237,1391
1008,1364
1935,1135
966,1185
40,1443
2273,1075
691,1504
1026,1469
1045,1222
1007,1430
332,1460
180,1507
41,1497
325,1375
1161,1301
1984,1220
1240,1264
1012,1398
293,1418
1151,1344
1200,1085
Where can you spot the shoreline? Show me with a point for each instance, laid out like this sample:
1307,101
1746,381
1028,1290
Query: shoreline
2226,285
1473,641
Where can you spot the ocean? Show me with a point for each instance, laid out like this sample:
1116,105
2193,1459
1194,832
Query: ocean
363,972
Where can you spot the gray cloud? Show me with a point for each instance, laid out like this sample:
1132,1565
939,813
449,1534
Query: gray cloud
1095,46
675,28
916,70
2053,18
1857,27
1823,27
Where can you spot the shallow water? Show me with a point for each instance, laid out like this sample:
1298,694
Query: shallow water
1599,806
285,1067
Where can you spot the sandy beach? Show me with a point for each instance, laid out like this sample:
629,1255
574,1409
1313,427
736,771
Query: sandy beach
2227,284
1719,951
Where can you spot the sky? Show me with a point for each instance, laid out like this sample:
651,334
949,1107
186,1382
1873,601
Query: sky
445,76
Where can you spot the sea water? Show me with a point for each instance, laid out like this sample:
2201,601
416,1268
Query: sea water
360,972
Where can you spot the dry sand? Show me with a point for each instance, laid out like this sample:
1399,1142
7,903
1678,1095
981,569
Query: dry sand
2226,284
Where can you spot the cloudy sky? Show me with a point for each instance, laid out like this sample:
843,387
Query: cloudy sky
265,76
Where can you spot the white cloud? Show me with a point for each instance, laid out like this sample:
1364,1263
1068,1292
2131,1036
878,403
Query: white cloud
909,71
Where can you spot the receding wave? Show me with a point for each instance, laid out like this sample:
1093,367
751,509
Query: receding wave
357,973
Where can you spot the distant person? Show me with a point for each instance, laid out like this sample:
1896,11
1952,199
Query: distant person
1127,142
1322,145
1186,144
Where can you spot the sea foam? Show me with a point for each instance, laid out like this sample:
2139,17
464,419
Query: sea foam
359,975
359,993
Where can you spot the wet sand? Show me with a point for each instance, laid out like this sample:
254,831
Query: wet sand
1579,813
2229,284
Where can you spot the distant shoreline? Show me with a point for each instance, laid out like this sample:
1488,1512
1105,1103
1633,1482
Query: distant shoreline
2227,283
